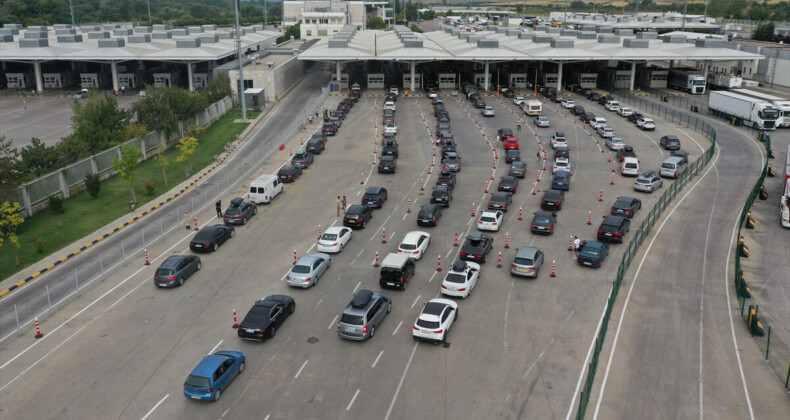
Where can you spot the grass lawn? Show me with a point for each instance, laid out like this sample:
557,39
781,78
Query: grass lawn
84,214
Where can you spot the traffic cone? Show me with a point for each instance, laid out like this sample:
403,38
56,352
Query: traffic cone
235,320
439,263
373,161
376,262
294,257
319,232
455,241
613,167
570,243
612,182
408,206
146,258
554,268
383,236
492,171
610,157
499,260
487,182
589,217
519,214
539,174
600,197
290,151
430,169
196,225
422,184
534,188
473,209
38,330
507,240
362,178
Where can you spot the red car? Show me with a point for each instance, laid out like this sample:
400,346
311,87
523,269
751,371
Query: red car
511,143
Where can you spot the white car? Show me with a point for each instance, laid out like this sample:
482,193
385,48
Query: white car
613,106
624,112
490,220
615,143
646,124
390,128
597,122
461,279
414,244
389,105
561,164
542,121
435,320
433,94
567,103
606,131
488,111
394,90
558,140
334,239
519,100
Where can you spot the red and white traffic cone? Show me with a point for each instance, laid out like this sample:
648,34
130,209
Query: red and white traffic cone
294,257
540,139
433,160
589,217
408,206
613,167
235,319
319,232
422,184
534,188
492,171
612,182
376,261
601,149
610,157
473,209
520,214
146,258
499,260
38,330
539,174
487,182
290,151
362,178
544,164
196,225
507,240
455,241
301,141
439,263
383,236
430,169
554,268
570,243
600,197
373,161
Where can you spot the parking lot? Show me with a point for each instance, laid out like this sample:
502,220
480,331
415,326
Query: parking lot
517,349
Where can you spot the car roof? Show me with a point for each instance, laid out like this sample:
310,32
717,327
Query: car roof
526,252
335,229
414,235
613,220
559,133
492,213
625,198
309,259
500,194
561,174
429,207
209,230
594,244
517,163
172,261
553,194
374,190
208,365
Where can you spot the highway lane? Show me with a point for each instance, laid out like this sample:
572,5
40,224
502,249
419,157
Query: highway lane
518,346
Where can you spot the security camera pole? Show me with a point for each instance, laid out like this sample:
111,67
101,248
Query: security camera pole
241,64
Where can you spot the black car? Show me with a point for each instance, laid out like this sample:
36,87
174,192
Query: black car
387,164
552,200
210,238
512,155
504,133
626,206
508,183
446,177
357,216
442,194
613,228
500,201
445,118
543,222
562,151
442,128
480,103
329,128
602,100
265,317
175,269
374,197
588,116
624,152
517,169
429,215
340,114
387,137
239,211
593,253
320,135
315,146
635,115
302,158
476,247
289,173
595,96
578,110
390,148
670,142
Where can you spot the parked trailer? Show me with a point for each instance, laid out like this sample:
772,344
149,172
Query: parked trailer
784,201
724,81
688,80
750,111
782,104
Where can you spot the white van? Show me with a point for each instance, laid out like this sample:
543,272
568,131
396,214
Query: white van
265,188
597,122
630,166
672,167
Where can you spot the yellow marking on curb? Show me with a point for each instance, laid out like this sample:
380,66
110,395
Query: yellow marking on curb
77,252
89,245
4,292
130,221
64,259
36,274
100,238
21,282
50,267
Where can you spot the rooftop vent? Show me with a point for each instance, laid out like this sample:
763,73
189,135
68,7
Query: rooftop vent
512,32
37,28
710,43
195,29
624,32
488,43
412,43
675,39
554,30
448,30
541,29
608,39
472,39
180,32
569,32
142,30
208,39
98,35
636,43
112,43
526,35
160,27
16,26
258,27
34,35
603,29
6,38
541,39
561,43
33,43
337,43
209,27
647,35
188,43
122,32
162,35
110,27
70,38
139,38
65,31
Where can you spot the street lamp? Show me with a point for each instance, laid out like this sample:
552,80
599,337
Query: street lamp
241,63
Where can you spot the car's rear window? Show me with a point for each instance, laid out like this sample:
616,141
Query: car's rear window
428,325
455,278
301,269
667,166
542,220
232,211
408,246
352,319
198,381
590,253
487,219
390,273
163,271
329,236
524,261
631,165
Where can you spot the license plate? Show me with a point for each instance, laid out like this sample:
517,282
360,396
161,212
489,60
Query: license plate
541,228
607,234
427,332
352,221
249,330
390,284
195,397
351,329
523,270
587,263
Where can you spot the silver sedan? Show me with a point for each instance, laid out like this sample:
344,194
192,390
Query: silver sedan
308,269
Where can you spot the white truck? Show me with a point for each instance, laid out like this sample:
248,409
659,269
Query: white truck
532,107
688,80
784,201
782,104
724,81
752,112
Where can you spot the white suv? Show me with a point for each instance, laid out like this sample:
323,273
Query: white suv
612,106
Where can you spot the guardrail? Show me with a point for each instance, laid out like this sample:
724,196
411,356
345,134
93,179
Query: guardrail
690,121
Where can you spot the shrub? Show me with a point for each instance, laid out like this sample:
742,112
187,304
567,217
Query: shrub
56,204
149,187
92,184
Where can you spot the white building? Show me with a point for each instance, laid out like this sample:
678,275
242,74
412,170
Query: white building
320,19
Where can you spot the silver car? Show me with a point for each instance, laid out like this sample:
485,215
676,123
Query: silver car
308,270
528,261
363,314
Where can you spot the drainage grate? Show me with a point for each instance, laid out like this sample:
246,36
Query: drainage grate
312,340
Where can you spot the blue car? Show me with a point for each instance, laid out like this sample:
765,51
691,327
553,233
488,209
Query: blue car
213,374
561,181
593,253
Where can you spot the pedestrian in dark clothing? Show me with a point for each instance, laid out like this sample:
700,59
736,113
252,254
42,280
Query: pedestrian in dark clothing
345,203
219,208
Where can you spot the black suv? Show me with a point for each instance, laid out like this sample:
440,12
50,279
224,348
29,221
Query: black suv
374,197
552,200
500,200
613,228
504,133
239,211
302,158
626,206
329,128
562,151
429,215
446,177
476,247
390,148
315,146
320,136
289,173
357,216
508,183
442,194
387,164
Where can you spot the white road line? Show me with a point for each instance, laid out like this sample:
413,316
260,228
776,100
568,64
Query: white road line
281,279
586,360
310,249
405,216
359,192
507,309
155,407
300,369
357,287
355,258
449,251
400,384
215,347
352,400
333,323
318,303
333,223
432,276
379,356
267,417
415,300
396,328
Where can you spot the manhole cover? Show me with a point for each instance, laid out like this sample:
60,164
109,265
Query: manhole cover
312,340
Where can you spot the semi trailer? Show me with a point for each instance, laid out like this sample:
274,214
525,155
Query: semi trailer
749,111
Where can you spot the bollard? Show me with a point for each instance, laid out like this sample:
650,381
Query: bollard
408,206
383,236
235,319
554,268
455,241
534,188
600,197
507,240
519,214
38,330
544,164
430,169
376,261
492,171
570,243
146,258
614,167
539,174
373,161
422,184
487,182
589,217
196,225
362,178
301,141
294,257
290,151
610,157
473,209
612,182
439,263
319,232
499,260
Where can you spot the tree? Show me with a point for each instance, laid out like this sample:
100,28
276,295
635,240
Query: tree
764,32
415,28
717,8
161,160
187,146
9,220
98,122
376,23
218,88
291,31
130,156
163,108
8,161
133,130
737,8
37,159
93,184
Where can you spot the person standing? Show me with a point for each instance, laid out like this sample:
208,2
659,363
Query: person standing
539,156
345,203
219,208
339,203
577,243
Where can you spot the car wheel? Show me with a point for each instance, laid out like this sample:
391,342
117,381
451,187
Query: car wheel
364,224
293,307
272,331
389,307
241,367
216,246
328,263
243,222
232,233
199,266
254,211
181,281
217,395
372,331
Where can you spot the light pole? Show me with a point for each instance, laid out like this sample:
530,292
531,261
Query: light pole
148,2
685,7
241,63
71,6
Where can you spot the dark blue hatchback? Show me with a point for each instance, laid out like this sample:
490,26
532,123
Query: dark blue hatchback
593,253
561,181
213,374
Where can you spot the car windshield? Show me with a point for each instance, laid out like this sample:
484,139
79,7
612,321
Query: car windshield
542,220
524,261
328,237
428,325
301,269
408,247
352,319
198,381
455,278
590,253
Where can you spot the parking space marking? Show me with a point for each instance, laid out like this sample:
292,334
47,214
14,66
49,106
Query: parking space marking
155,407
352,400
333,323
318,303
415,300
379,356
215,347
357,287
396,328
400,384
507,310
432,276
300,369
360,253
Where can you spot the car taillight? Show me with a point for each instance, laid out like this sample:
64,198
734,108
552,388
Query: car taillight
290,176
613,208
365,329
416,252
533,226
207,244
260,330
334,244
463,254
338,325
415,327
381,166
504,205
618,234
479,222
463,289
543,202
600,231
438,331
444,287
171,277
433,218
307,280
209,390
549,227
479,255
629,210
392,166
